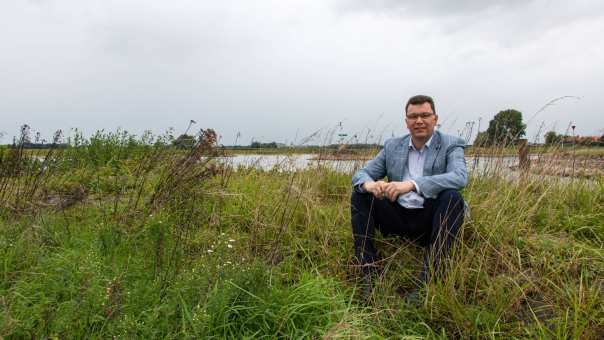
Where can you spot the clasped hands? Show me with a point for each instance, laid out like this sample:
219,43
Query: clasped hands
390,190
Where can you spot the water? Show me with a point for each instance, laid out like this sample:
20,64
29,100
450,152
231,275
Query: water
479,165
290,162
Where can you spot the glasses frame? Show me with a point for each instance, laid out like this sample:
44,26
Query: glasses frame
422,115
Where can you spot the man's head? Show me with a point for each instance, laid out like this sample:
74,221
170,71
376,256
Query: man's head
420,117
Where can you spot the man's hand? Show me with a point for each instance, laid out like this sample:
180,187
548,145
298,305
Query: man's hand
376,188
393,189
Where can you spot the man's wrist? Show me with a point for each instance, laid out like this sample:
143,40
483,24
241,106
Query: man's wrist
415,187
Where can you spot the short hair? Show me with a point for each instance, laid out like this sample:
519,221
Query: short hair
420,99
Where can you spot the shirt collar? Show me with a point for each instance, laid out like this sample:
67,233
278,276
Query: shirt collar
427,145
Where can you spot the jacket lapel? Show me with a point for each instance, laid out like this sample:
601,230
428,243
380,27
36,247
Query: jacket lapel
403,158
431,153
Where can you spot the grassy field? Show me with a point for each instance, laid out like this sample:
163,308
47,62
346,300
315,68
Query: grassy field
115,239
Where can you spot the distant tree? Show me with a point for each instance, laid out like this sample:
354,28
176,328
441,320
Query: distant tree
506,127
551,137
263,145
184,141
482,139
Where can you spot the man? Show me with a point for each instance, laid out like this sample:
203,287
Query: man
420,201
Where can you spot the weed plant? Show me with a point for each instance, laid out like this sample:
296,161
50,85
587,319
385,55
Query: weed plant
119,236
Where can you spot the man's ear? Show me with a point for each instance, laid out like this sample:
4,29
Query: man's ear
406,122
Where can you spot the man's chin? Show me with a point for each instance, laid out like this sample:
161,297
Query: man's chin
422,134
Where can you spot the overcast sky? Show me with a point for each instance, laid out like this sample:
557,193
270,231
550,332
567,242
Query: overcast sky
281,70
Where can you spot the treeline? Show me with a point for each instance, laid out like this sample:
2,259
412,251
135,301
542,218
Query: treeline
507,128
41,145
551,138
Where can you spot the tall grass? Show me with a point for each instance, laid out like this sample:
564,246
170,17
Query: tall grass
125,236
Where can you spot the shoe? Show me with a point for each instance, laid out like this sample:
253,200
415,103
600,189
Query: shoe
366,288
369,274
413,298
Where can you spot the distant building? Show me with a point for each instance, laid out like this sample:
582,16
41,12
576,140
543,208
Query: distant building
582,140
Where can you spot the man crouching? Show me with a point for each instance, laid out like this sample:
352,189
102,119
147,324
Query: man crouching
420,201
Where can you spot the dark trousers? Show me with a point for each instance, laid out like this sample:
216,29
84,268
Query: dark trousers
434,227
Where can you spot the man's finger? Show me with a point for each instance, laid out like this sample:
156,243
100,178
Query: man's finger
390,194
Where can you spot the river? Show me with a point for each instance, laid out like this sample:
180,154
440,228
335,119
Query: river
477,165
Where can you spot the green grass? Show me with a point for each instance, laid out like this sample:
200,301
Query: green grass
121,240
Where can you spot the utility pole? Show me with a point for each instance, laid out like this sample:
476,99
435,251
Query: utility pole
191,122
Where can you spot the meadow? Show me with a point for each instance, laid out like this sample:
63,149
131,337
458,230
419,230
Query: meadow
119,236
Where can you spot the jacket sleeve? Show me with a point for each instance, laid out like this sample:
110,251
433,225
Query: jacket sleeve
455,177
374,169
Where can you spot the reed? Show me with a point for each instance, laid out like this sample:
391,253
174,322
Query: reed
126,236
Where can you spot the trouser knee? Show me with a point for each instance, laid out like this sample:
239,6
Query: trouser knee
450,212
359,201
451,198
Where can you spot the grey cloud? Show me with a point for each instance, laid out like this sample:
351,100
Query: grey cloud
276,70
508,23
427,8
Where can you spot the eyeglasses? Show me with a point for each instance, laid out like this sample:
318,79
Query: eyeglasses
422,115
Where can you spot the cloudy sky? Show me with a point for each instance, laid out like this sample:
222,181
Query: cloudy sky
282,70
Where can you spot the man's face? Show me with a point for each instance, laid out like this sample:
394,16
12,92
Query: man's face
421,120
